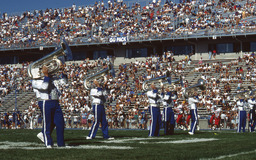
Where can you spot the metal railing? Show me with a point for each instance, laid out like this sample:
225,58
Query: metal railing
88,40
139,37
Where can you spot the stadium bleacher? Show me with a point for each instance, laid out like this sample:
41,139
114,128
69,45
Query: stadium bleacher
75,98
98,23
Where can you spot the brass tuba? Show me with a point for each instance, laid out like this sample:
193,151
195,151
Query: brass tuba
162,80
173,81
53,61
200,84
244,93
98,75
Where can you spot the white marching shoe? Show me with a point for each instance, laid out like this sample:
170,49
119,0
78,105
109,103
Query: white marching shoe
88,137
40,136
110,138
190,133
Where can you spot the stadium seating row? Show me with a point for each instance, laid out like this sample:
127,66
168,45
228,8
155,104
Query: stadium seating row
100,22
126,98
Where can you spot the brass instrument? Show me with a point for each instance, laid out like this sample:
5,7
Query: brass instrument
52,61
160,81
200,84
98,75
175,81
244,93
146,83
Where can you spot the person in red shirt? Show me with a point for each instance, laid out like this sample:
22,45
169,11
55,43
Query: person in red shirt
214,53
188,119
212,121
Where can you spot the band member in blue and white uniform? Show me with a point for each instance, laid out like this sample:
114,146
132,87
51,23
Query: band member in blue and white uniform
192,102
36,82
48,101
98,99
252,117
169,121
241,114
154,109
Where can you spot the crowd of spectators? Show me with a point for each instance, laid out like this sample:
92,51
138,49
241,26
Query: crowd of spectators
13,78
126,105
97,23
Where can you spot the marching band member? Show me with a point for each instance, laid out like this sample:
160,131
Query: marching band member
241,114
98,98
48,94
154,109
192,101
252,118
169,121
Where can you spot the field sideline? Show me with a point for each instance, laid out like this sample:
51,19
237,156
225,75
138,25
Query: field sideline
130,144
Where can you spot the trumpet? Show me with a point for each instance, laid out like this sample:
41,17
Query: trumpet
100,74
52,61
200,84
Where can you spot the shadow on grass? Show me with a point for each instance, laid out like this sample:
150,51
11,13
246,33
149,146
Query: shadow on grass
185,133
78,142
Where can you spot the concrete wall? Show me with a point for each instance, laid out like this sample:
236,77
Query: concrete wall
203,123
202,47
120,52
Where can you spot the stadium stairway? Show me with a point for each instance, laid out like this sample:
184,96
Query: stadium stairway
23,101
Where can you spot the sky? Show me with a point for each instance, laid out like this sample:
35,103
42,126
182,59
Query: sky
19,6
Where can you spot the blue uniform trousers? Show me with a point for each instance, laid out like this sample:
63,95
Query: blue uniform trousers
242,121
252,120
155,121
52,116
99,117
169,121
194,119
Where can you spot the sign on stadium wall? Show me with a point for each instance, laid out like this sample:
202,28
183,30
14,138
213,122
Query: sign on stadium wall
117,39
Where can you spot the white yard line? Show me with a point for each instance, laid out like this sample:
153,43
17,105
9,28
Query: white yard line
230,155
219,131
83,147
129,140
35,146
194,140
20,145
98,147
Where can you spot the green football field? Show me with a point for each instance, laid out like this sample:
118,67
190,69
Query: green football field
130,144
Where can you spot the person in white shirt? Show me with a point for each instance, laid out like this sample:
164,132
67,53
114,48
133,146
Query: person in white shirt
154,109
192,102
98,99
169,121
241,114
252,117
47,92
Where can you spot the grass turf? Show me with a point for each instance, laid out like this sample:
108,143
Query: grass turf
238,145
